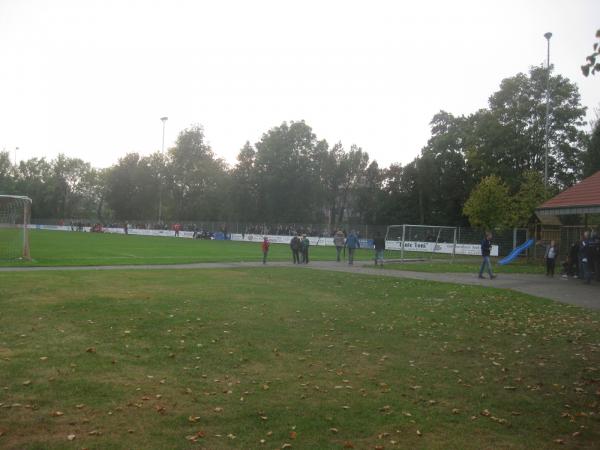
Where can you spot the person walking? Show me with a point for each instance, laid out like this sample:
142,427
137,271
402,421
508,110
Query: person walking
379,244
338,240
352,244
586,254
295,246
265,248
486,249
550,257
305,245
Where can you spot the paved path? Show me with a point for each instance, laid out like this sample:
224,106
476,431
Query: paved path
562,290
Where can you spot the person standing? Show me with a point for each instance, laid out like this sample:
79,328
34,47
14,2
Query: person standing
550,257
265,248
352,243
486,249
379,244
295,246
339,240
586,254
305,245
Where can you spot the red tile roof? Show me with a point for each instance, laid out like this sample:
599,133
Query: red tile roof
585,193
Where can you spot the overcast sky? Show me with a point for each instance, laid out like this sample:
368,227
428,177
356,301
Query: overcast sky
91,79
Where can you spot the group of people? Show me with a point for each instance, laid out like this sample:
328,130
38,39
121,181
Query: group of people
583,259
300,244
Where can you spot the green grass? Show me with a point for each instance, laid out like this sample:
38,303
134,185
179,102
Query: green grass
469,265
56,248
144,359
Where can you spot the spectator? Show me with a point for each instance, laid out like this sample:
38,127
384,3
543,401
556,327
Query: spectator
486,248
339,240
305,245
295,246
352,243
379,244
265,249
550,256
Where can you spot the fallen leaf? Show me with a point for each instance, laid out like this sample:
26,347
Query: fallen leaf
26,382
58,413
71,437
348,444
293,435
91,350
333,430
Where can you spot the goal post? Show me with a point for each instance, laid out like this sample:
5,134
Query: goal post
422,240
15,214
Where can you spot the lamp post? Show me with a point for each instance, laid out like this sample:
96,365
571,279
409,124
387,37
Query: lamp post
164,122
547,36
16,150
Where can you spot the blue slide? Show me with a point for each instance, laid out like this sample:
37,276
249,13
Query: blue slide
516,252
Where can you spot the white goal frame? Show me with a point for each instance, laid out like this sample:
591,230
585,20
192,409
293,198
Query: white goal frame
26,202
439,229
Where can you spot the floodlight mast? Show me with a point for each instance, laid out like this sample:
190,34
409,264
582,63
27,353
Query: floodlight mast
160,181
547,36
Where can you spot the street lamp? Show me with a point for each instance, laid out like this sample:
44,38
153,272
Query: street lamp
164,122
547,36
16,150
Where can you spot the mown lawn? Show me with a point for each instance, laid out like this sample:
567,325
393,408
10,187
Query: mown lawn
289,358
62,248
471,265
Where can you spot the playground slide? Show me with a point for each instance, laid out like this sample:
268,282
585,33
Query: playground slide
516,252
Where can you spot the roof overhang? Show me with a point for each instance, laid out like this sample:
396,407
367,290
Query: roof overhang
568,210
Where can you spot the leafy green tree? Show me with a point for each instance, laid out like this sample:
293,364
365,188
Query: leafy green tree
591,66
509,137
591,158
489,205
288,173
530,195
132,188
197,177
7,177
244,190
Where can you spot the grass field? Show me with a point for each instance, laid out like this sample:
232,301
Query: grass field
261,358
56,248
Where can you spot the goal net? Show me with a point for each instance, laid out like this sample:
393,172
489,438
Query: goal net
15,212
418,242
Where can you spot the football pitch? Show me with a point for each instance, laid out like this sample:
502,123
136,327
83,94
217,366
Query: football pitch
278,357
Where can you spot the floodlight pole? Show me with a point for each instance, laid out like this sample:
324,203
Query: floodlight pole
547,36
16,149
162,152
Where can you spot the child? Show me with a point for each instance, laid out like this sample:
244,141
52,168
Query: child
550,256
265,249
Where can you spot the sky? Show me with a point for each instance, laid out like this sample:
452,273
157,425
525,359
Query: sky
91,79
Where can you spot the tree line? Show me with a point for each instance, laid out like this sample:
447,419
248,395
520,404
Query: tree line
488,162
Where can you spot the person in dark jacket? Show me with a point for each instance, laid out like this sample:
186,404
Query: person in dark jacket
486,249
305,245
295,246
352,243
379,244
587,257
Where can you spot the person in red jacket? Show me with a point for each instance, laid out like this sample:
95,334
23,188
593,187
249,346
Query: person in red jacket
265,248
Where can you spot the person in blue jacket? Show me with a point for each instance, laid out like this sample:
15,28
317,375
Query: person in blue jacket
486,249
352,244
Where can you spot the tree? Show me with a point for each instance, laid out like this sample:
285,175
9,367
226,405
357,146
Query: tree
197,177
509,137
591,65
288,174
591,158
243,186
488,206
531,194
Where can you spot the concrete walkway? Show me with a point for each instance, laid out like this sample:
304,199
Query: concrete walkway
569,291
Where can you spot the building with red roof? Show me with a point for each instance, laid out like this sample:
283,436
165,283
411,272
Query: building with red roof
580,199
